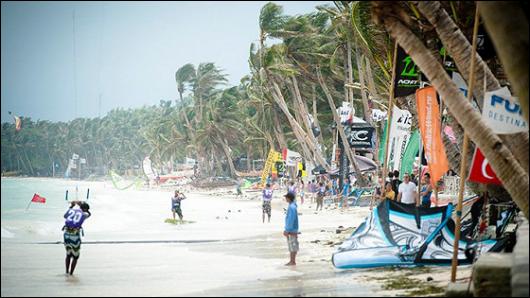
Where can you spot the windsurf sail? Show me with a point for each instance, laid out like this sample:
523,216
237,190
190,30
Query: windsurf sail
399,234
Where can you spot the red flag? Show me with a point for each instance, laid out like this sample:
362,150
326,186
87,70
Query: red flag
481,170
38,199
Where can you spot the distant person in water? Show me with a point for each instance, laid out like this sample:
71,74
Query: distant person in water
267,198
291,228
175,204
74,218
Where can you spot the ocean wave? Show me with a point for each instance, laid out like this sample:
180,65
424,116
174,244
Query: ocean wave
7,234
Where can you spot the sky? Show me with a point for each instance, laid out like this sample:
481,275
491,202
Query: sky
126,53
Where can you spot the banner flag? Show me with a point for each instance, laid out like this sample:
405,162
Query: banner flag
430,127
481,170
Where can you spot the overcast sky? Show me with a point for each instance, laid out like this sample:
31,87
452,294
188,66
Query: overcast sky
127,53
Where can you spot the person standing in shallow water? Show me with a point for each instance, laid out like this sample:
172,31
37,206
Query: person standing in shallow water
175,204
74,219
291,228
267,198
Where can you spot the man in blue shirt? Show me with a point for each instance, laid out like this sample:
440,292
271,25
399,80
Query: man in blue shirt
344,194
291,228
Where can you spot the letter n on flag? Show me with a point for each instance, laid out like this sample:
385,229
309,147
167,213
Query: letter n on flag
430,128
481,170
38,199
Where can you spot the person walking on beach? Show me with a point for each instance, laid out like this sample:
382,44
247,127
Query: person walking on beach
344,193
238,188
407,192
426,191
302,191
74,218
321,192
292,188
267,198
291,228
175,204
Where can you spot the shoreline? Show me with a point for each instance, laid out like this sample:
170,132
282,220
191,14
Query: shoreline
243,244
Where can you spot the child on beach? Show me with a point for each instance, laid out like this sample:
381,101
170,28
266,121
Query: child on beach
291,228
267,197
175,204
74,218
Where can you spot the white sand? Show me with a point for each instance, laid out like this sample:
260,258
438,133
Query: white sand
248,259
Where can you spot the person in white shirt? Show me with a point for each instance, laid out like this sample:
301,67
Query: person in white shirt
407,192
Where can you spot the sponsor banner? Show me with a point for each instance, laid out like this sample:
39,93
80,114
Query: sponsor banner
409,157
430,127
407,75
502,112
346,113
361,136
378,115
481,170
291,157
399,137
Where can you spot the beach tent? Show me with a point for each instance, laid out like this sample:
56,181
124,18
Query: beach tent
399,234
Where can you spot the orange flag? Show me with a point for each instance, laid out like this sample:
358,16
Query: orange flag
430,128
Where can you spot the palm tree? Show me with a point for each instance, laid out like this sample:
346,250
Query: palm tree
184,75
507,23
514,178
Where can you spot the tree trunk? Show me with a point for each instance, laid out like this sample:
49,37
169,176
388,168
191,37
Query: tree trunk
507,24
249,152
305,117
370,78
348,150
305,138
315,117
461,51
278,131
226,150
366,108
508,170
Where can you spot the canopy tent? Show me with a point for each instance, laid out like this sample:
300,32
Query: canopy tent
399,234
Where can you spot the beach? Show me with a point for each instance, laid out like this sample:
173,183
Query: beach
223,249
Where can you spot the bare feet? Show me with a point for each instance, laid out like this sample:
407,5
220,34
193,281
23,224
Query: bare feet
290,264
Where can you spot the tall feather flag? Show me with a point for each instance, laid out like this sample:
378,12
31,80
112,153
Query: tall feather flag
429,121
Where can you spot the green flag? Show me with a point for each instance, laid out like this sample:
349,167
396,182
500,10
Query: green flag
412,150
